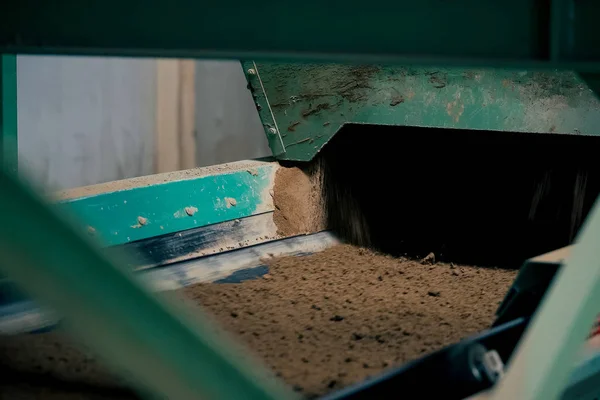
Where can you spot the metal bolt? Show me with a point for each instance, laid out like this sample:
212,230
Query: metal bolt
251,71
273,131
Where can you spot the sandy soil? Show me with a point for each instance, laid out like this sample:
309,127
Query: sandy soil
298,201
321,322
330,319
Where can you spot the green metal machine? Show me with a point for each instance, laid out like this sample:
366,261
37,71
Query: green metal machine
429,66
302,106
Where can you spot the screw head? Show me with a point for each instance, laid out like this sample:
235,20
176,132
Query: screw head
273,131
251,71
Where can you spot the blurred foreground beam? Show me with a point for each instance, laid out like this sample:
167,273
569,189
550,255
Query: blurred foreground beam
550,347
111,313
523,33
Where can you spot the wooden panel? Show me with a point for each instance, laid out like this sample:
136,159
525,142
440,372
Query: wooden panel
187,113
175,115
167,116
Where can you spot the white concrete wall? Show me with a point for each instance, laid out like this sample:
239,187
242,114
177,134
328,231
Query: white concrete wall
85,120
227,123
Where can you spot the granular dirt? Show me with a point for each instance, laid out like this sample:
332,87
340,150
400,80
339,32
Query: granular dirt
297,196
320,321
333,318
51,366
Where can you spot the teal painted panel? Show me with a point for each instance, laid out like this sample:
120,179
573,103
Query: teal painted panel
8,113
141,212
311,102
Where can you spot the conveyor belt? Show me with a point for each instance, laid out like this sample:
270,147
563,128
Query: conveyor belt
20,315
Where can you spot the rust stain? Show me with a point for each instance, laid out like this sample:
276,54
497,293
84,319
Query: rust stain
455,110
355,83
298,142
438,79
396,100
316,110
292,127
410,94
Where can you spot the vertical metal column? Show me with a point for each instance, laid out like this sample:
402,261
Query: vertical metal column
8,113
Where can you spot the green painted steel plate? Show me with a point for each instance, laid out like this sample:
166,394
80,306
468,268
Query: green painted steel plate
139,208
302,106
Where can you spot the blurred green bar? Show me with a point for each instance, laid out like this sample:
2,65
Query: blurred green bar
8,113
518,33
547,353
154,347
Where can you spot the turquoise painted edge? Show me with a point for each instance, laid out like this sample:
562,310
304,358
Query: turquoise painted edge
311,102
141,212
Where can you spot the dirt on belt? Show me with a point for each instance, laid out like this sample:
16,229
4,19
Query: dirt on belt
321,321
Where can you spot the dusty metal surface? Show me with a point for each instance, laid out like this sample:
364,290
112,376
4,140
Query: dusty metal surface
303,105
133,209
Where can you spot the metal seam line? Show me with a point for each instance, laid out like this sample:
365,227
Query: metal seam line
269,105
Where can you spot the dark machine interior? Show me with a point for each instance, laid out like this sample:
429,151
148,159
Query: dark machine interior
485,198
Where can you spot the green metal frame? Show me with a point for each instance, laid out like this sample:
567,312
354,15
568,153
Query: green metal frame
532,33
302,106
8,113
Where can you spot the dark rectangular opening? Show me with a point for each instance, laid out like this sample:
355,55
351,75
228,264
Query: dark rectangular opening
485,198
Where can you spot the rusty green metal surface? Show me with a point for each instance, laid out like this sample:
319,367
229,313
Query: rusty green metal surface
302,106
8,113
